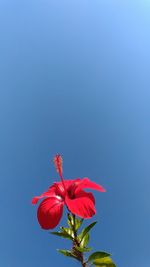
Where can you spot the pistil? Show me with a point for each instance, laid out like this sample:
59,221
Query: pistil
58,165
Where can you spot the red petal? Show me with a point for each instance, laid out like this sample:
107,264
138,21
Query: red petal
86,183
50,212
59,189
82,205
85,194
49,193
68,183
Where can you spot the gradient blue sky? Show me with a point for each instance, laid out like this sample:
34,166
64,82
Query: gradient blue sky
75,79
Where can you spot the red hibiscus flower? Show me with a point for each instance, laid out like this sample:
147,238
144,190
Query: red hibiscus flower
69,193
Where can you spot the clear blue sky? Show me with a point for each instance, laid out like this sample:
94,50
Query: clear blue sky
75,80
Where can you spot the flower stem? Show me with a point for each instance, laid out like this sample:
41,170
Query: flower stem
78,254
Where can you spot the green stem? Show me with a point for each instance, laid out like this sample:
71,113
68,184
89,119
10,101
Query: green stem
79,254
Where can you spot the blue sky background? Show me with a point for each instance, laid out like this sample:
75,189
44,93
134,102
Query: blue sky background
74,79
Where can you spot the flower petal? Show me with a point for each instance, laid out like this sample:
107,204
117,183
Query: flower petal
86,183
49,193
50,212
85,194
82,205
69,183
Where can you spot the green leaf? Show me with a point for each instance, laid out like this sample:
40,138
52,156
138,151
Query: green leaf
104,262
84,241
98,255
83,249
67,231
70,220
77,222
64,235
85,231
67,253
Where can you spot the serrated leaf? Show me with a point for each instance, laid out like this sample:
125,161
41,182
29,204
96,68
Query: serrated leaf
85,231
98,255
104,262
64,235
67,253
